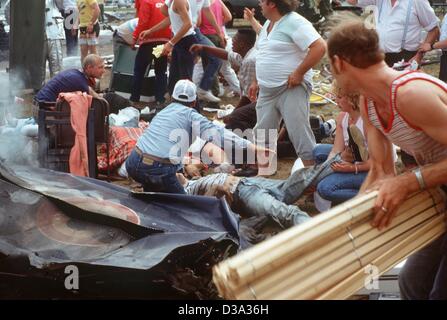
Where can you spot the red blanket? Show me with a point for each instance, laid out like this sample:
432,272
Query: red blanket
122,141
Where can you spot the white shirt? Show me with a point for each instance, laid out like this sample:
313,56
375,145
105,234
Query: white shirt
281,51
196,7
69,4
126,29
54,23
176,20
390,23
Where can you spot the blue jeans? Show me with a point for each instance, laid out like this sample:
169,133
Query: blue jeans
211,64
71,40
321,152
424,275
158,177
274,198
144,59
340,186
182,61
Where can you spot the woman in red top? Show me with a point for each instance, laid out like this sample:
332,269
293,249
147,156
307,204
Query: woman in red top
149,15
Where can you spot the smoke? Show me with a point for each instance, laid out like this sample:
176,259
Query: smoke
15,147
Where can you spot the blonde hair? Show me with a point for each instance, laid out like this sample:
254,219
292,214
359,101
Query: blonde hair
353,98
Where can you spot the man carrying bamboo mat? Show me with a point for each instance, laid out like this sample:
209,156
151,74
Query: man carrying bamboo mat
408,109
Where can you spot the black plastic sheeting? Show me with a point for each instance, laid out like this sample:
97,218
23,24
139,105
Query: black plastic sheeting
125,245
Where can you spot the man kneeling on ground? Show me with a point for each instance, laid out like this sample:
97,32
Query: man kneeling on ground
158,154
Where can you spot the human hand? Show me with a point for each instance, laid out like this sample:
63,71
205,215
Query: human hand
417,57
249,14
74,32
223,40
132,46
425,47
145,34
196,48
167,49
392,193
343,166
253,92
90,28
295,79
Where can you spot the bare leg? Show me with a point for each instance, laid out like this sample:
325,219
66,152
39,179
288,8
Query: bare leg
84,52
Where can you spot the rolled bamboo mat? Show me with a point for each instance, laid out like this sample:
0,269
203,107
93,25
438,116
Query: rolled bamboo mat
325,258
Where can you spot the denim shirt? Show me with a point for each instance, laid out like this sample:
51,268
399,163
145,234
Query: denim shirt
443,34
173,129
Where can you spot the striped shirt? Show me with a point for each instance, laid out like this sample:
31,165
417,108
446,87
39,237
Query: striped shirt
247,68
411,139
200,186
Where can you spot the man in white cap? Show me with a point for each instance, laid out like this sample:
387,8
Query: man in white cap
159,152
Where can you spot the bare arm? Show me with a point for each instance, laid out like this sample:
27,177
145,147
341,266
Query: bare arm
93,93
430,39
182,10
214,51
249,15
430,117
227,17
316,52
380,153
440,44
212,19
166,22
339,144
96,13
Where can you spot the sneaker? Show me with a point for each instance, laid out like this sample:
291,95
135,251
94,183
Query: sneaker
359,140
221,90
329,127
207,95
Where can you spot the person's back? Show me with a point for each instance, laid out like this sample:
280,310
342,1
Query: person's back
126,30
174,119
66,81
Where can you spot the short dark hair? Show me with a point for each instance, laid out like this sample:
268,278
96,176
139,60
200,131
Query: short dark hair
285,6
248,36
186,104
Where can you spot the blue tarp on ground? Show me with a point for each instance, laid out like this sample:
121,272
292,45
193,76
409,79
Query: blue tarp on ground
50,218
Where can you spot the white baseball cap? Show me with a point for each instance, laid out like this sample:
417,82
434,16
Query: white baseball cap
185,91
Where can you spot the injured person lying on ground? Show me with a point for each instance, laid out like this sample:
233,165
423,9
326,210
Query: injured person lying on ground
260,196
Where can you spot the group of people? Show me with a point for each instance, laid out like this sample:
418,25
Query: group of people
384,106
381,108
76,22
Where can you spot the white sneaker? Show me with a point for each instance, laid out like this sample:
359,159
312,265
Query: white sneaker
207,95
221,90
